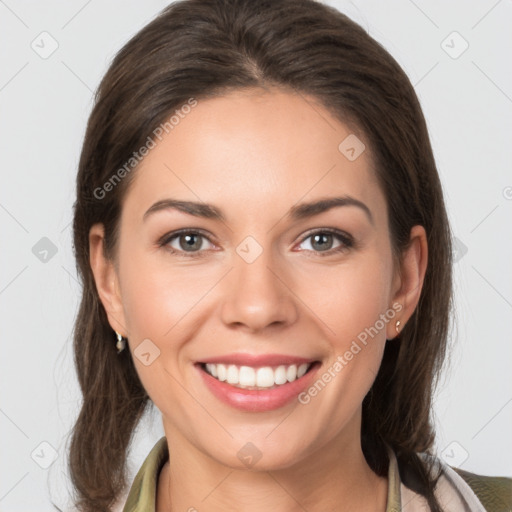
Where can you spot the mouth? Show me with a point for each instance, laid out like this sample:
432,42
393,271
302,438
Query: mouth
258,378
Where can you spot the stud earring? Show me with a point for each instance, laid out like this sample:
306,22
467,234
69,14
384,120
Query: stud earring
121,343
397,325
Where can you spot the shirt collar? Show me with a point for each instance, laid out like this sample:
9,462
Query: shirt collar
394,502
142,495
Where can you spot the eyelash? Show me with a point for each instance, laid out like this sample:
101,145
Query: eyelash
346,240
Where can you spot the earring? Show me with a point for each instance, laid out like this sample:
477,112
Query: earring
397,325
121,344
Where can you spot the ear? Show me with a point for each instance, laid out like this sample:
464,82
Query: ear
107,280
409,280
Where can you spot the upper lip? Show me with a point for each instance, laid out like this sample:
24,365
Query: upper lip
256,361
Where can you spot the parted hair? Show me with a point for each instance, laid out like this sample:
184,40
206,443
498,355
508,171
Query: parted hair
206,48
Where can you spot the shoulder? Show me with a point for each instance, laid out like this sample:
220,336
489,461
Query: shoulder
472,492
494,492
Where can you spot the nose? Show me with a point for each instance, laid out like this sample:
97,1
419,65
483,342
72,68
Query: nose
257,295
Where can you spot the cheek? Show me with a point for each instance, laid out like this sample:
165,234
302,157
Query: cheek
356,335
157,295
156,301
349,298
351,303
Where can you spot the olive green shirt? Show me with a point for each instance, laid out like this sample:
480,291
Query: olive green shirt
460,490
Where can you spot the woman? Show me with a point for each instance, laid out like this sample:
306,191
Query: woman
261,232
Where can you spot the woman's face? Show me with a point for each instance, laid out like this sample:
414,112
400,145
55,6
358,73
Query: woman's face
257,273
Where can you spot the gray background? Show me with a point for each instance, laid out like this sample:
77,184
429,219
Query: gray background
44,104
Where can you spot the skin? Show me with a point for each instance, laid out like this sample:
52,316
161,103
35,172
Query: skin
290,300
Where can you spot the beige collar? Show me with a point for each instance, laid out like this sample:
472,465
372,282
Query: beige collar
451,489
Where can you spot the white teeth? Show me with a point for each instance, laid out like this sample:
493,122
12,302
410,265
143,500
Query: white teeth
301,370
291,373
212,368
232,374
245,376
280,375
264,378
248,377
221,372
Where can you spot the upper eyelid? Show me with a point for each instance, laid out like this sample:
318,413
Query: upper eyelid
331,231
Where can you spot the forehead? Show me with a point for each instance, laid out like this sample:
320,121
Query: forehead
256,148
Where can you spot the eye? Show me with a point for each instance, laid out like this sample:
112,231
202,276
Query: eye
185,241
190,243
322,241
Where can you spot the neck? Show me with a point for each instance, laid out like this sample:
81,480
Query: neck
334,477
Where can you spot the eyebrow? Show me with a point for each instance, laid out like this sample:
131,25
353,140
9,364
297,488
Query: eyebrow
297,212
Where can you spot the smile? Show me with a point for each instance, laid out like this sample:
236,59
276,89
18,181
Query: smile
266,377
259,389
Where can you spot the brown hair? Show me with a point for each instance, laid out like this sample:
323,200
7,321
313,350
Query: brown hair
205,48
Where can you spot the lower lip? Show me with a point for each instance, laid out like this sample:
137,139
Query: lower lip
258,400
